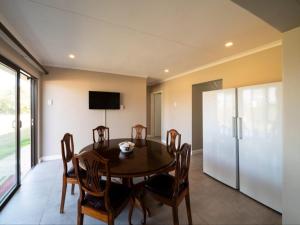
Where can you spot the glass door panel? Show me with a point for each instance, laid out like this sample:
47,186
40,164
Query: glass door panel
25,128
8,140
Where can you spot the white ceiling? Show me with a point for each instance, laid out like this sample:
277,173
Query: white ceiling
135,37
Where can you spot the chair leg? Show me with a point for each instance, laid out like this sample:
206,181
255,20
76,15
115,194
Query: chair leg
63,194
111,220
132,202
143,207
145,211
175,215
80,218
148,212
72,190
188,208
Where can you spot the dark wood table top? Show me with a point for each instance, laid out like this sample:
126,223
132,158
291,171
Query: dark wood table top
148,157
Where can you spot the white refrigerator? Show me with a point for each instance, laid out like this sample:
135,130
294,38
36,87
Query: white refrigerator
220,156
242,140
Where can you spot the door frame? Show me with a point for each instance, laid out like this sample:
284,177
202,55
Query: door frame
33,116
152,114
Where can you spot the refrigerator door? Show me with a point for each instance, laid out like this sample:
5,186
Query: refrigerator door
260,143
219,136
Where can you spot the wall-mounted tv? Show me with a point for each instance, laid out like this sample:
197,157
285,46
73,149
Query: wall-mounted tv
104,100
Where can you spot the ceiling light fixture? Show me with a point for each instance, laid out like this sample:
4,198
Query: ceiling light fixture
71,56
228,44
166,70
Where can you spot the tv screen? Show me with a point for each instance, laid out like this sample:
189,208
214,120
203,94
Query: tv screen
104,100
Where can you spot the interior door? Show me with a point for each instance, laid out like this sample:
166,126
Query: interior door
8,131
260,143
157,115
219,136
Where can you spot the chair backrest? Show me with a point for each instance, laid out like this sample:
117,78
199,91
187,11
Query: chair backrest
183,156
91,182
103,133
139,131
172,135
67,150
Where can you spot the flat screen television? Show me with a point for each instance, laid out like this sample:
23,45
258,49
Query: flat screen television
104,100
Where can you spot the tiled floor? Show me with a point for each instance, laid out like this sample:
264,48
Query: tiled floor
37,202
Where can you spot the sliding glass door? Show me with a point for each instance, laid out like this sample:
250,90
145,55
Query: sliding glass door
26,123
17,116
8,131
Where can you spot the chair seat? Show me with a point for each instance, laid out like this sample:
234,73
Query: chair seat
118,195
71,172
163,185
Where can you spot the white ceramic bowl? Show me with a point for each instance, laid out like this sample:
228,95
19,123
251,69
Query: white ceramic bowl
126,146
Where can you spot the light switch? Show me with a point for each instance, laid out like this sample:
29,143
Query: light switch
50,102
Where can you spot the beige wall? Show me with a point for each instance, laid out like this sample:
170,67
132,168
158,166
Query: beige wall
261,67
291,126
69,113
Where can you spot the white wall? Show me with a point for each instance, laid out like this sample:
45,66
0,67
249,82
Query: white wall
291,121
69,113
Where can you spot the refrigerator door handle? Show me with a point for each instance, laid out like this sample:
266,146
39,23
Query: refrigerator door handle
240,128
234,129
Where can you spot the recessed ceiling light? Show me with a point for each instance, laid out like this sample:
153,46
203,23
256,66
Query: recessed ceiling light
228,44
166,70
71,56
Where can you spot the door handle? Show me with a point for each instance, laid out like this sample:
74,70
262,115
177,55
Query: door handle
20,124
234,127
240,128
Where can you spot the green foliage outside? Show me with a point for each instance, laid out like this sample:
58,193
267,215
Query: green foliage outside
7,101
8,145
8,107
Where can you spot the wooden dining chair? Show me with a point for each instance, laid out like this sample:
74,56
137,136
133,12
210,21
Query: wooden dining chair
99,198
138,128
172,135
171,190
67,153
103,133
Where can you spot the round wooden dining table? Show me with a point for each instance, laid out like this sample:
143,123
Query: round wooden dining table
147,158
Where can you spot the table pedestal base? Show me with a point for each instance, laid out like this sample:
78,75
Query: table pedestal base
137,198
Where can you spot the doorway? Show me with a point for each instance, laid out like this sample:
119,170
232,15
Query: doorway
157,115
197,123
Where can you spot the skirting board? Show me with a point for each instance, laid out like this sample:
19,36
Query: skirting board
49,158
